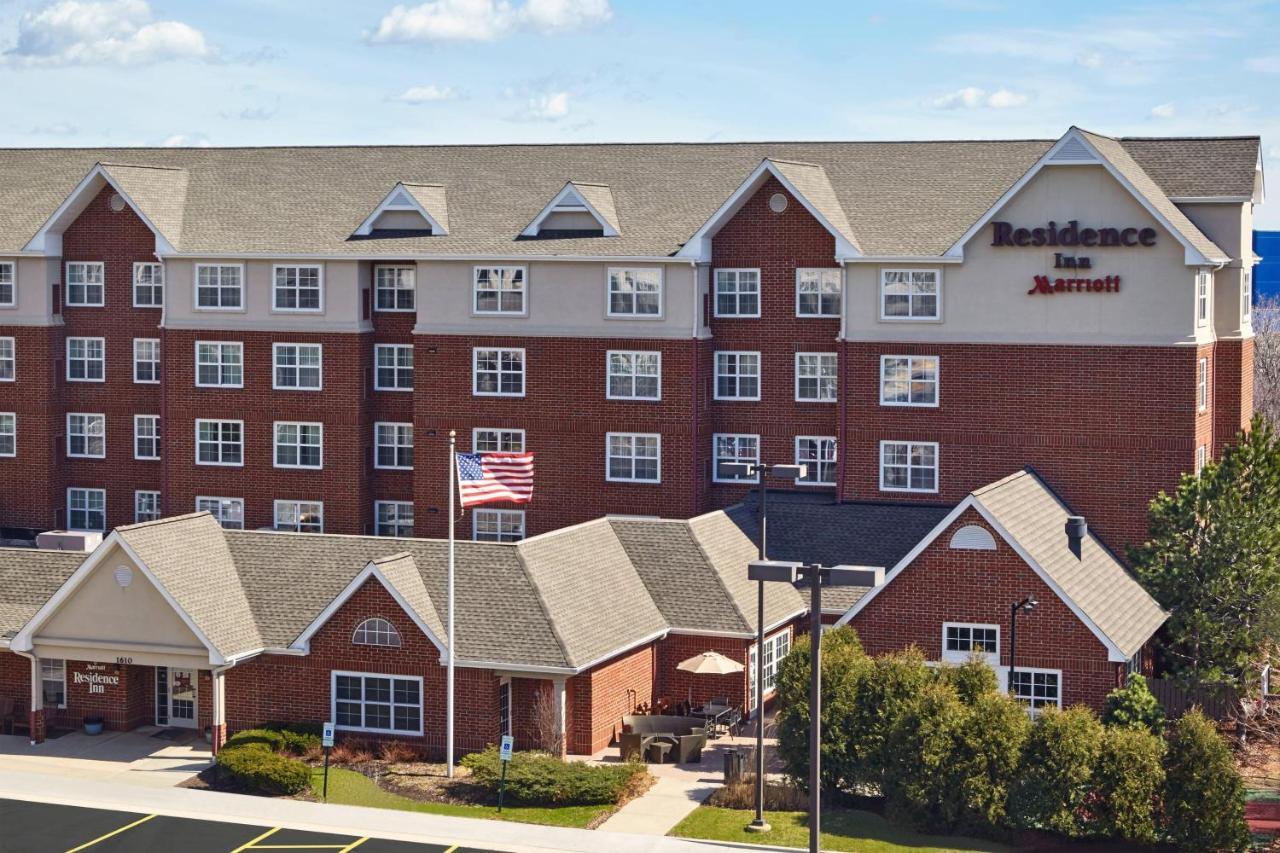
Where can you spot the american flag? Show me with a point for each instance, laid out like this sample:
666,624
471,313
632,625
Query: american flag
487,477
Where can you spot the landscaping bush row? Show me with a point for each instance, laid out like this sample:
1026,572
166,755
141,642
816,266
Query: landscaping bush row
541,779
947,749
254,758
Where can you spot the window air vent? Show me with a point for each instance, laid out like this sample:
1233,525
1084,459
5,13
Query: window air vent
971,537
1073,151
778,202
116,202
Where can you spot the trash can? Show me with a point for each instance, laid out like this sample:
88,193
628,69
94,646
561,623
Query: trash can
735,762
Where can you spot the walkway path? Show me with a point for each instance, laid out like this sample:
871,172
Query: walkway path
137,757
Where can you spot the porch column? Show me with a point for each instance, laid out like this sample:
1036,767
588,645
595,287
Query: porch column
558,693
218,727
36,717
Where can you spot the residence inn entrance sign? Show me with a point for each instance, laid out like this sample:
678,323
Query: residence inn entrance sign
1071,235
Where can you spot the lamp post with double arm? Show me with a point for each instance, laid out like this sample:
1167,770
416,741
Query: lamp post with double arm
746,471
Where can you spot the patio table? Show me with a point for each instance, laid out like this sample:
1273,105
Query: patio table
713,714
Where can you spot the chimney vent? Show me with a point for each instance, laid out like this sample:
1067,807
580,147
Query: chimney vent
1077,529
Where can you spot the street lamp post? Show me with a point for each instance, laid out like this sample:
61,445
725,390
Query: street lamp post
1026,605
817,576
745,470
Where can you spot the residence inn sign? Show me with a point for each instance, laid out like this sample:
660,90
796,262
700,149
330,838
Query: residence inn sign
1071,235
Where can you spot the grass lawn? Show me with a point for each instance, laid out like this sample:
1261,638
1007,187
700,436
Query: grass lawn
843,829
350,788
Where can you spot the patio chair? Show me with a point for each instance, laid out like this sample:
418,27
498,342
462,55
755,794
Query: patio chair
632,745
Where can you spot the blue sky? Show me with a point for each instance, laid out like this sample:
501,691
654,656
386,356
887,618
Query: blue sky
272,72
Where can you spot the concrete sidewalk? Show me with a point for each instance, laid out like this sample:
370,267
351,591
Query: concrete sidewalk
348,820
137,757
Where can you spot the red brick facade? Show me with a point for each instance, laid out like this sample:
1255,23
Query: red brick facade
980,588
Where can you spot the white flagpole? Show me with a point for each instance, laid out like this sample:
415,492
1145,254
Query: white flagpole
453,476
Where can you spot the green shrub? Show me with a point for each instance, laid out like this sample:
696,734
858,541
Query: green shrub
843,665
1204,795
298,738
886,688
252,758
985,760
971,679
540,779
1134,706
1057,770
1128,784
919,749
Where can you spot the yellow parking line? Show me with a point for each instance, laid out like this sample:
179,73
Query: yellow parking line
354,844
451,849
249,845
299,847
112,834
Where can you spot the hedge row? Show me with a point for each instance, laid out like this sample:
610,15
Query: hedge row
540,779
254,758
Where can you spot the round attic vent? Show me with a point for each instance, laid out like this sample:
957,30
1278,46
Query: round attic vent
117,202
777,202
124,576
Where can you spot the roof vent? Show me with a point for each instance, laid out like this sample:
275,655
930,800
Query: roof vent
1077,529
116,202
69,540
124,576
1073,151
971,537
778,202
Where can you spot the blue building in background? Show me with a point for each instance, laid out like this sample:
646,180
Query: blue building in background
1266,275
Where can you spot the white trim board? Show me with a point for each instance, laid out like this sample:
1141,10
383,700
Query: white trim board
569,198
391,202
47,242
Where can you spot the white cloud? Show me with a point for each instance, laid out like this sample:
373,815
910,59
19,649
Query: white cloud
1265,64
187,140
1091,59
486,20
426,94
103,32
552,106
1164,110
971,97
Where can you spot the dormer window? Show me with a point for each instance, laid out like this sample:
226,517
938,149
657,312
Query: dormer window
578,210
409,210
376,631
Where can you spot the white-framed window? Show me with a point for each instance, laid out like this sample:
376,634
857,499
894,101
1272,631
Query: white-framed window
1246,296
393,518
299,516
818,292
633,457
229,512
146,361
733,448
909,380
297,367
219,442
8,434
737,293
8,360
146,436
489,440
393,446
504,707
1037,688
219,364
8,284
1202,384
394,288
497,525
86,435
908,466
635,293
366,702
86,509
960,641
737,375
497,372
148,285
818,453
298,445
1202,458
53,682
910,295
219,287
86,359
376,631
146,506
393,367
776,648
816,377
297,288
499,290
1203,282
633,375
85,283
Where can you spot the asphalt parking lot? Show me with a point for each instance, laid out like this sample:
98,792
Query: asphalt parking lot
47,828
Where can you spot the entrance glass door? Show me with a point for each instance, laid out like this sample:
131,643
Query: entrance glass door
176,694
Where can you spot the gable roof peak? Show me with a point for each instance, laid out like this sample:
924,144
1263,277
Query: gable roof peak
427,200
596,199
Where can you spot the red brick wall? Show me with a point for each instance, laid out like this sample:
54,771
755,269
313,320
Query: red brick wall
31,493
679,686
1233,383
122,706
297,689
945,585
606,693
15,683
777,244
1108,427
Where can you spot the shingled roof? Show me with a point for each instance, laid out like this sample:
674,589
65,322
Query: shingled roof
28,578
898,199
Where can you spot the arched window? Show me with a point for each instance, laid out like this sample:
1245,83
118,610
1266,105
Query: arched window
376,631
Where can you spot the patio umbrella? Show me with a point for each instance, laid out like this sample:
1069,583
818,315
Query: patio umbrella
709,663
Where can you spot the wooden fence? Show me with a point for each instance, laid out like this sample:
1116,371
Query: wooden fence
1218,702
